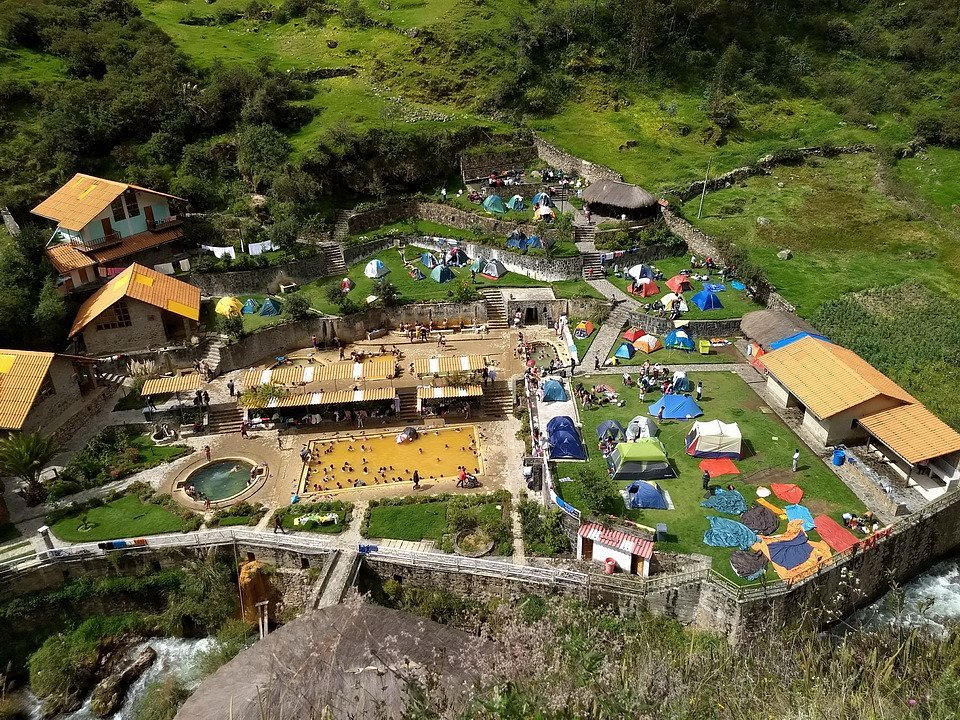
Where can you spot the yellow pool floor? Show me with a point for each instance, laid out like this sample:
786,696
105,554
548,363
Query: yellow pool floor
378,459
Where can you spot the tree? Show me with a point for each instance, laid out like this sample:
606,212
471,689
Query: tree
261,151
23,456
231,325
298,307
599,493
387,292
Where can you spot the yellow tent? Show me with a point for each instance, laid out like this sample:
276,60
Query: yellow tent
228,306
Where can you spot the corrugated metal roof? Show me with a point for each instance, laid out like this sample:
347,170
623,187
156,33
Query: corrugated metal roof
829,379
339,397
426,393
176,383
135,243
21,375
913,432
82,198
454,364
378,368
140,283
617,539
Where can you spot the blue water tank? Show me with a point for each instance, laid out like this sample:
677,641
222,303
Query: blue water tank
839,457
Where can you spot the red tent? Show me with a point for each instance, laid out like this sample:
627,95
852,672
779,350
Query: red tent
679,283
633,334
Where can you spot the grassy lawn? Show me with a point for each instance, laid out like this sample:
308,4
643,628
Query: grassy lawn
424,521
768,443
670,357
583,345
735,304
123,518
846,234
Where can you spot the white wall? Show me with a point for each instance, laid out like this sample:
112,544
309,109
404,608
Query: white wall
778,391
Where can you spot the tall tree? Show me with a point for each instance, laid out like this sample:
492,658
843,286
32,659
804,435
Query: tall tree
24,455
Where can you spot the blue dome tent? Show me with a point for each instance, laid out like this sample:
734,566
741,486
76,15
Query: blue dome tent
611,429
535,243
645,494
553,391
542,199
516,203
676,407
428,260
564,439
270,308
678,340
625,351
441,274
706,300
494,204
250,307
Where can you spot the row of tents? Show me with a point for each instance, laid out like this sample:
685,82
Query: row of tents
232,307
541,201
635,340
643,284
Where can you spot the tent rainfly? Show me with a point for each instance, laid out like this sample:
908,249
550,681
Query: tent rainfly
493,269
428,260
583,330
494,204
633,334
676,407
648,344
625,351
645,459
643,494
564,439
515,203
441,274
250,307
644,287
611,429
706,300
679,283
270,308
229,306
678,340
641,427
714,439
553,391
640,272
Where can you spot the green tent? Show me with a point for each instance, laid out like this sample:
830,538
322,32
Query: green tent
477,265
645,459
494,204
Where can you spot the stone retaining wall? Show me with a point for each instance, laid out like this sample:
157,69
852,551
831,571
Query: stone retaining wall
697,242
481,165
259,280
696,329
526,191
295,335
366,220
455,217
555,157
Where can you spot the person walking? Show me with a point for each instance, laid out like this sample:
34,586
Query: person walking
341,350
416,479
305,454
706,479
206,452
596,362
277,525
231,387
243,431
486,375
206,399
660,415
699,390
796,459
314,342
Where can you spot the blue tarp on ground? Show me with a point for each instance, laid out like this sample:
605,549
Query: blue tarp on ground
728,533
800,512
250,307
783,342
647,495
611,429
553,392
790,553
676,407
714,287
726,501
564,439
428,260
706,300
270,308
441,274
625,351
737,285
679,340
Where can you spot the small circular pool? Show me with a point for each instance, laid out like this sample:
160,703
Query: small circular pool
220,479
543,353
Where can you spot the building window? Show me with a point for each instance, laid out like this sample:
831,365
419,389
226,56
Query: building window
117,208
116,317
46,388
130,196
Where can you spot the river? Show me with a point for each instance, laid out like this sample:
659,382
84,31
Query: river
174,655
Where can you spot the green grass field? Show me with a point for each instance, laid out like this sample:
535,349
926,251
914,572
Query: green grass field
768,443
424,521
845,232
123,518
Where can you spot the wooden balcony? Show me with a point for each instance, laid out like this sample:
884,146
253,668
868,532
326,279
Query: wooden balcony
98,244
167,222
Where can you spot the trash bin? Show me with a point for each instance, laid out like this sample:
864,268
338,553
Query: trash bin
703,347
839,457
609,566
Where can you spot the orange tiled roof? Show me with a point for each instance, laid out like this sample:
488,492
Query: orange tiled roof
21,375
140,283
829,379
82,198
913,432
65,257
136,243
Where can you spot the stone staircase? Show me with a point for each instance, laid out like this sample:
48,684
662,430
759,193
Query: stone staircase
497,399
224,419
592,267
333,258
584,233
339,579
211,354
408,414
341,225
496,309
606,336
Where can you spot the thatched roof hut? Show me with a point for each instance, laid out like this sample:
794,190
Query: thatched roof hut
355,660
611,198
768,326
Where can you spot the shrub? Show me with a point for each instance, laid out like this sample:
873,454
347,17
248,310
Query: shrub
297,306
231,326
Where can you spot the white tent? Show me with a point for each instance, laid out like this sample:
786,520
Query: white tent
714,439
639,273
375,268
670,298
641,427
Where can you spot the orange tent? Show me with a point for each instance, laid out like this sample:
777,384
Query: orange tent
646,288
648,343
679,283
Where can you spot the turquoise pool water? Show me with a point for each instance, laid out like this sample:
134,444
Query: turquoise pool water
221,479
